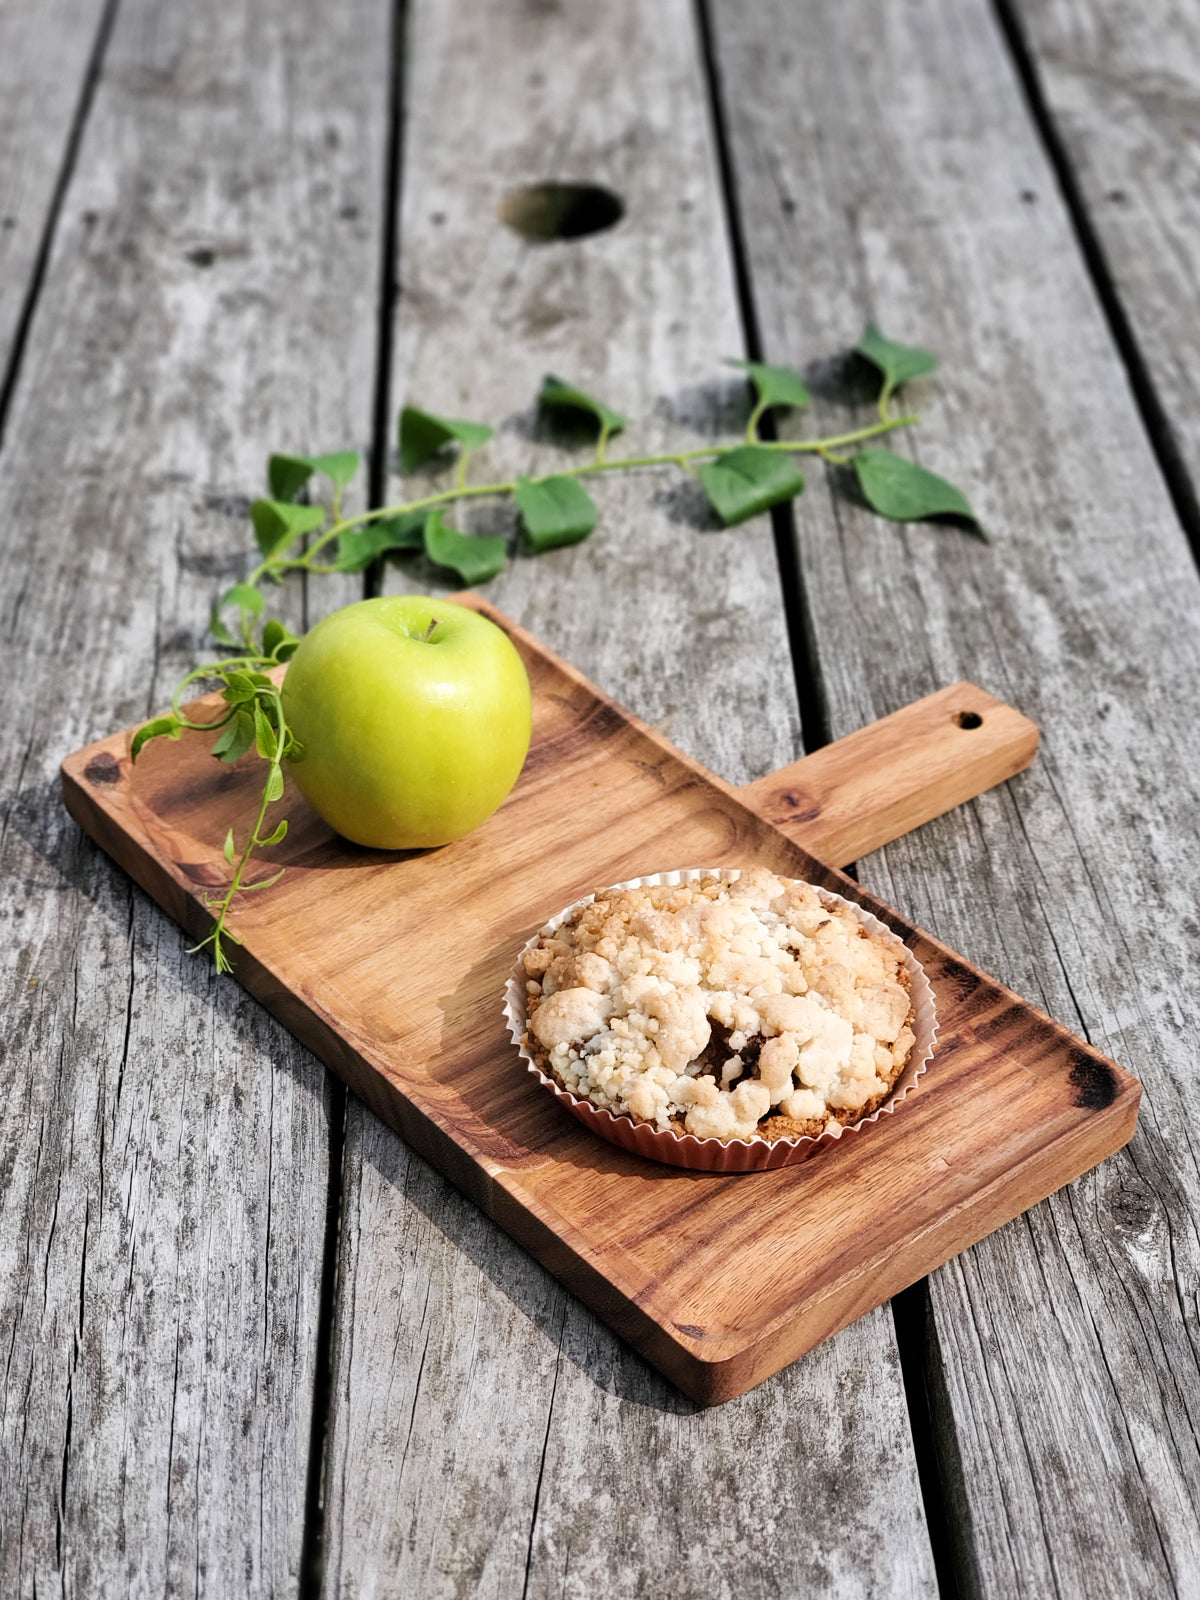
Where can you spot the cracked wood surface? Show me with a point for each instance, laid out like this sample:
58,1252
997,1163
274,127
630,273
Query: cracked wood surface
163,1145
885,166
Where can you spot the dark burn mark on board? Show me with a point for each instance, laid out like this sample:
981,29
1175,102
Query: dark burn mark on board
1009,1018
103,769
956,977
690,1328
1095,1082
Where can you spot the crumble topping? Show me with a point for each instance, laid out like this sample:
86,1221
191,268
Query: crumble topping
725,1010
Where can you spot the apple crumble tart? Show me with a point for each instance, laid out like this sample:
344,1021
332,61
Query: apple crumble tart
754,1008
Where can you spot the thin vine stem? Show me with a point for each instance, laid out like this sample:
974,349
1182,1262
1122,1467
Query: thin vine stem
277,564
272,791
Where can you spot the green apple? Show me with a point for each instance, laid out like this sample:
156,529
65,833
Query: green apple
413,716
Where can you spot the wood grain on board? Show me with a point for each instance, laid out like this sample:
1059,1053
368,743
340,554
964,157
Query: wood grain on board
885,165
164,1145
871,786
391,966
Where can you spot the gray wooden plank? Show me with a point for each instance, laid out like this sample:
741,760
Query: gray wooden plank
1121,85
885,165
164,1147
488,1436
45,54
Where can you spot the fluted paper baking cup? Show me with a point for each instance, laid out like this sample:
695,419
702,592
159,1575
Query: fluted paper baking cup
721,1155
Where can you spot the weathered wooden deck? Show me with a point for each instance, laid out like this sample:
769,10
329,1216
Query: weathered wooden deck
253,1345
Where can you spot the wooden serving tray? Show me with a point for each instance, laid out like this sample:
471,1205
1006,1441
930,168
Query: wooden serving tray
391,968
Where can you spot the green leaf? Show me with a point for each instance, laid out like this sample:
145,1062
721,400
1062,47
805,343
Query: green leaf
263,883
358,547
274,789
220,632
278,836
230,850
265,737
287,475
557,511
897,362
898,488
243,595
750,479
422,434
238,688
170,727
277,639
277,523
555,395
774,386
474,559
339,466
236,737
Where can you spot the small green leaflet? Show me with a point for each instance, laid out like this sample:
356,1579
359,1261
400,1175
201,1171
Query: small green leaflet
265,735
898,488
750,479
422,434
263,883
774,386
236,737
339,466
170,726
555,395
358,547
278,522
475,560
287,475
239,687
278,836
278,641
274,789
555,511
230,849
243,595
897,362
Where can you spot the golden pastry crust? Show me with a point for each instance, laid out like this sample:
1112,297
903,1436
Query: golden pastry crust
730,1010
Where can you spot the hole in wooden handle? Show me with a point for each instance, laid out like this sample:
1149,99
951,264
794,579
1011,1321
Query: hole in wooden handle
968,719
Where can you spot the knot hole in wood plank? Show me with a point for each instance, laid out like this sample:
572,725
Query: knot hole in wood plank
544,212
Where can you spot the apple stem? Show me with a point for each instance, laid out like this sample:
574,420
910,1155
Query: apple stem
428,634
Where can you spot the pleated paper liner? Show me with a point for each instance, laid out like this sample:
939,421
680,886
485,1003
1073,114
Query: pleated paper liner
721,1155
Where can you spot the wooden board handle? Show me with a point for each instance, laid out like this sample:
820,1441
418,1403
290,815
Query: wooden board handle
867,789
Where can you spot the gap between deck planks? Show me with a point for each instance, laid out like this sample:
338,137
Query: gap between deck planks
888,154
1114,88
44,97
164,1146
